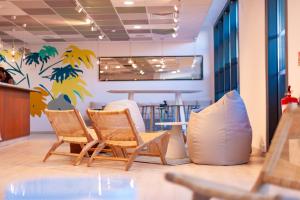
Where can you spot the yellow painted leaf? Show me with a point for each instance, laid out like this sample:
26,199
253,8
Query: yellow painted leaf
76,56
73,87
38,102
8,55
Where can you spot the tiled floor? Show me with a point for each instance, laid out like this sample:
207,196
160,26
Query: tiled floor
23,160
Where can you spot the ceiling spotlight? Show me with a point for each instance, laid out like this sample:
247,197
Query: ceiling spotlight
175,20
13,52
157,65
118,67
134,66
174,35
154,60
79,8
101,72
176,28
128,3
130,61
137,27
163,66
106,67
98,62
88,20
24,25
101,37
160,70
174,72
93,28
14,17
178,71
142,72
114,30
176,8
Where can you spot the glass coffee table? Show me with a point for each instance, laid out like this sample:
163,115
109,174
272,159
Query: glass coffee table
176,147
91,188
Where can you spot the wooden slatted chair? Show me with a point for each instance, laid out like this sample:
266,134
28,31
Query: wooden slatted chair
70,128
281,168
117,130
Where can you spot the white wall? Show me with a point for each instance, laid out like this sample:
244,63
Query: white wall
98,89
252,64
293,45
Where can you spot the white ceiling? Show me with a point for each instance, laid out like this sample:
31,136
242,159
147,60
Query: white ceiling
192,14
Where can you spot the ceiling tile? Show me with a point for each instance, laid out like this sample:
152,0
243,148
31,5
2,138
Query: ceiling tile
36,28
30,4
60,3
66,11
3,23
133,16
160,9
162,21
39,11
66,32
131,9
105,17
109,22
102,10
134,22
95,3
163,31
54,40
24,19
138,31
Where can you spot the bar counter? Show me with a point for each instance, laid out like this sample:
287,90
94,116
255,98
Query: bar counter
14,111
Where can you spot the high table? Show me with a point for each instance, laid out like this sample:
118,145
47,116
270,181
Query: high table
176,146
14,111
178,97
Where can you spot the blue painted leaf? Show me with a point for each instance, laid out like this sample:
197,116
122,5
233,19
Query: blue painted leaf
2,58
62,73
32,58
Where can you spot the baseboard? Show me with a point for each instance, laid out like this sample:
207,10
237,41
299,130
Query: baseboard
13,141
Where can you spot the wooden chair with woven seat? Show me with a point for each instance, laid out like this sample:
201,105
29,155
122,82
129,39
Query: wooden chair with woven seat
117,130
280,170
70,128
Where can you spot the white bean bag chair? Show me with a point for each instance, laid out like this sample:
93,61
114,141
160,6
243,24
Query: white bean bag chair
220,134
133,109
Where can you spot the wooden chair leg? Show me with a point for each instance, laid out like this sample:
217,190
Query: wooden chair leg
132,157
197,196
95,153
87,153
161,154
87,147
52,149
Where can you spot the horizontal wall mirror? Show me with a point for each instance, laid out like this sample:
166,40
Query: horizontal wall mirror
146,68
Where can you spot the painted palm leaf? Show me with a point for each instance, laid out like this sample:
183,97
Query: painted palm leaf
62,73
32,58
72,87
48,51
2,58
75,55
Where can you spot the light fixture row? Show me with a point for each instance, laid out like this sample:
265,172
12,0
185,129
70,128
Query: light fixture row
89,20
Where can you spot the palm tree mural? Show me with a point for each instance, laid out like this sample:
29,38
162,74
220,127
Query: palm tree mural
64,75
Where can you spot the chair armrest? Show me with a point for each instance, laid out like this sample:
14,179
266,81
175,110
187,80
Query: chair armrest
206,189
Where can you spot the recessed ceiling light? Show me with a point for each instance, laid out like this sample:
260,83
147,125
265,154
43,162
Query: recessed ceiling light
128,3
176,8
79,8
178,70
130,61
118,67
154,60
113,30
160,70
101,37
157,65
174,35
24,25
137,27
101,72
88,20
175,20
106,67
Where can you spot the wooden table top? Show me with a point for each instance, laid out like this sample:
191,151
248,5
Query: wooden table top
154,91
6,85
171,123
